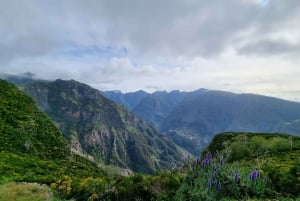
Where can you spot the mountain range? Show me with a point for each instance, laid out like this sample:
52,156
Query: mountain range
103,129
36,156
191,119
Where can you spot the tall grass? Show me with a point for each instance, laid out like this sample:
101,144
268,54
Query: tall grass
26,192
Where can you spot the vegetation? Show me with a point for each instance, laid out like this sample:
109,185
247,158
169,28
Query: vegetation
235,166
25,129
266,171
26,192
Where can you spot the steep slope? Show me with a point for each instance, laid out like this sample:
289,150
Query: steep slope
191,119
197,119
155,107
33,150
128,100
25,129
151,107
103,129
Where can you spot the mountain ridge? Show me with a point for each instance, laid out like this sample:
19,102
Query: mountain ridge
199,115
104,129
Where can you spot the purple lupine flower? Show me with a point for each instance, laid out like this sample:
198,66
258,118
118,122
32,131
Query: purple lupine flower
257,174
254,175
236,177
198,161
251,176
205,163
209,156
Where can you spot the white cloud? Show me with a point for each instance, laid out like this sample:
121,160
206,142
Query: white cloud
237,45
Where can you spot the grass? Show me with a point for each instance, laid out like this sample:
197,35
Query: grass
26,192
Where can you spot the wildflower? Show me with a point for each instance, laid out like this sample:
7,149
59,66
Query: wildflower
198,161
254,175
236,177
205,163
257,174
209,156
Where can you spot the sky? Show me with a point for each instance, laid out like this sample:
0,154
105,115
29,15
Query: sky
244,46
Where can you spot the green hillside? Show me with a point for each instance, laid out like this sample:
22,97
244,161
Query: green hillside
33,150
275,155
25,129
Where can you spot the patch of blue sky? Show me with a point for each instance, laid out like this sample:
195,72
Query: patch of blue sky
263,3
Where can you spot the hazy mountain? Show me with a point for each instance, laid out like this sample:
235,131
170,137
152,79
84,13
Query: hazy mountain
196,120
103,129
20,79
191,119
156,107
128,100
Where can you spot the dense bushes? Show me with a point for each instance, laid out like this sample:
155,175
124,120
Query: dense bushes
24,129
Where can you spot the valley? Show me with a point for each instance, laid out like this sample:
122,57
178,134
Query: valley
86,147
192,119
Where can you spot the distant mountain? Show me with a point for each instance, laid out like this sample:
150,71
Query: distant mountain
25,129
191,119
128,100
156,107
99,127
20,79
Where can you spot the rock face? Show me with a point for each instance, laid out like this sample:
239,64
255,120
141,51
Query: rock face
191,119
101,128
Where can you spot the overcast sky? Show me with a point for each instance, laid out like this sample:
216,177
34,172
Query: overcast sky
250,46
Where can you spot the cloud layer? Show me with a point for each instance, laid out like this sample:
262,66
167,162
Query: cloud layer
237,45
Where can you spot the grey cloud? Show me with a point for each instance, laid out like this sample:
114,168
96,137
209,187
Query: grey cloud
269,47
24,30
185,28
164,34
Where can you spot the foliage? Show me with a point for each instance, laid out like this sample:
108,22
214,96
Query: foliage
235,166
26,192
216,180
276,155
24,129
